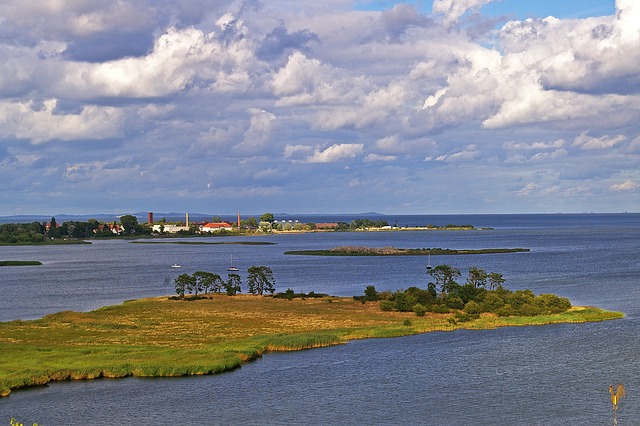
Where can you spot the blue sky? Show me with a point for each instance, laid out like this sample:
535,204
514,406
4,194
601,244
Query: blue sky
343,106
518,9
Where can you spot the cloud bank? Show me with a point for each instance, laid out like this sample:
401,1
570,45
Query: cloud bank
220,106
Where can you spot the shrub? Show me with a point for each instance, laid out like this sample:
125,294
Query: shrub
440,309
473,308
505,311
404,302
552,303
454,302
464,317
386,305
419,309
529,310
492,302
520,298
422,296
370,294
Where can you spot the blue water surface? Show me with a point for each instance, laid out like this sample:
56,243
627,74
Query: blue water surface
513,376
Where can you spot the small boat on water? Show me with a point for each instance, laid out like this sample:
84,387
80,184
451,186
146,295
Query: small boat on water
233,268
429,262
175,265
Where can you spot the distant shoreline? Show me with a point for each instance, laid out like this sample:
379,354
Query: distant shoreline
392,251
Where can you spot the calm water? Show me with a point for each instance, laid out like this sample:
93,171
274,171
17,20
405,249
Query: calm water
513,376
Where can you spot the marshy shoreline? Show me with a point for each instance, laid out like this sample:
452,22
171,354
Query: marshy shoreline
161,337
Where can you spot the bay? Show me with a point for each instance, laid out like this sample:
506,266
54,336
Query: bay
532,375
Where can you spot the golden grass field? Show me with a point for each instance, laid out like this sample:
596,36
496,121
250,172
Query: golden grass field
164,337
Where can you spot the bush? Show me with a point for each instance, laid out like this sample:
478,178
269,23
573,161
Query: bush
370,294
529,310
505,311
454,302
419,309
386,305
440,309
520,298
422,296
404,302
492,302
472,308
464,317
552,303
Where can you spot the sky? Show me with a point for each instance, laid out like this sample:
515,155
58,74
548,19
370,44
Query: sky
341,106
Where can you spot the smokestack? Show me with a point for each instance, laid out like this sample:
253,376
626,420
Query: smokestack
187,218
238,220
150,218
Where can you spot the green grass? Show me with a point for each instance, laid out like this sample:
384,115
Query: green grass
20,263
49,242
163,337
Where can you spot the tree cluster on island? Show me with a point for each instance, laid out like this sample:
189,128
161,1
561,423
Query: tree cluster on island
259,281
481,293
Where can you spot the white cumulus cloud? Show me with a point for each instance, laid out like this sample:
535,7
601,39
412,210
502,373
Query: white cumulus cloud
336,152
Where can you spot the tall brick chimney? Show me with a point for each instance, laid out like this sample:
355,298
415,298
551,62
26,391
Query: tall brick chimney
150,218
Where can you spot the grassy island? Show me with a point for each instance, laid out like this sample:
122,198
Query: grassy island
393,251
168,337
20,263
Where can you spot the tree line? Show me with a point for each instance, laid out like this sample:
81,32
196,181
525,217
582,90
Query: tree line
39,232
260,280
481,292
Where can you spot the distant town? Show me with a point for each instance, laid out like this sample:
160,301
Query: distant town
129,226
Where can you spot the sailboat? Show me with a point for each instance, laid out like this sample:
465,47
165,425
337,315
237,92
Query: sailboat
233,268
429,261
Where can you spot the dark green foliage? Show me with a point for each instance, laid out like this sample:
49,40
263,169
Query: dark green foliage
444,277
386,305
419,309
404,302
472,308
472,298
424,297
469,292
260,279
183,283
440,309
290,294
454,301
370,294
367,223
267,217
553,304
462,316
20,263
208,281
492,302
233,285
